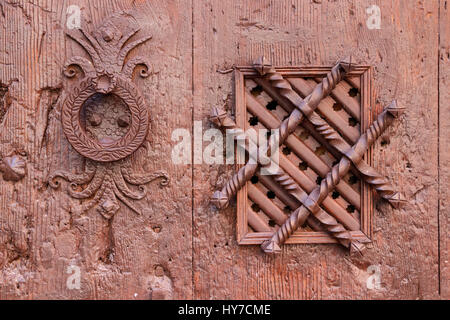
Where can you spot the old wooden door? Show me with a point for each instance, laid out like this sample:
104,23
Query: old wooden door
180,246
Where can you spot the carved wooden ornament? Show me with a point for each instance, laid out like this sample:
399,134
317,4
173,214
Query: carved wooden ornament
321,192
13,167
105,118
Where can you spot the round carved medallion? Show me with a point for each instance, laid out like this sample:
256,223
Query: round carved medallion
105,150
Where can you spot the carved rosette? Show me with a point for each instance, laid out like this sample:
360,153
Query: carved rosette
108,178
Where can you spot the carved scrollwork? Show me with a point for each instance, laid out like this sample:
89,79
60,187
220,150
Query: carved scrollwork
106,183
82,63
106,79
131,65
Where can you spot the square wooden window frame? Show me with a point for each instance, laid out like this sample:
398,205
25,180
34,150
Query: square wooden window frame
244,237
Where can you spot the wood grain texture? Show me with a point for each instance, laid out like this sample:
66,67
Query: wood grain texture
444,143
132,257
182,247
404,54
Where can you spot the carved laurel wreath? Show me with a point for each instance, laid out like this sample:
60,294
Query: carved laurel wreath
91,148
108,177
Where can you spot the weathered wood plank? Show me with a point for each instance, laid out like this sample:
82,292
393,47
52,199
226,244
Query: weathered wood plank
405,247
132,257
444,143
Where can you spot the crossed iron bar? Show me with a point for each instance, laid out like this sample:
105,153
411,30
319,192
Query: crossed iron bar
305,108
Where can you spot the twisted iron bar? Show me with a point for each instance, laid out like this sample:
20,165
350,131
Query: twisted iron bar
331,225
222,120
305,107
370,175
222,197
338,171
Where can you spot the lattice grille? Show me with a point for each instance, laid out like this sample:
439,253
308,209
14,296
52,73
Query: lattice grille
335,114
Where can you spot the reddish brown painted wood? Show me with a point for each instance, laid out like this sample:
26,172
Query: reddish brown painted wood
298,33
142,256
444,142
40,238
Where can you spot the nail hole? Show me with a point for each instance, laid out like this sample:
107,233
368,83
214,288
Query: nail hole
286,151
272,223
159,271
319,180
253,121
353,179
270,194
255,207
337,106
352,122
384,142
350,208
254,179
303,166
256,90
335,195
272,105
408,165
353,92
268,134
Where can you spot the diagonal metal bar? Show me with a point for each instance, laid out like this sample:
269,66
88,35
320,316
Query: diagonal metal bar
295,144
336,229
370,175
221,198
315,198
